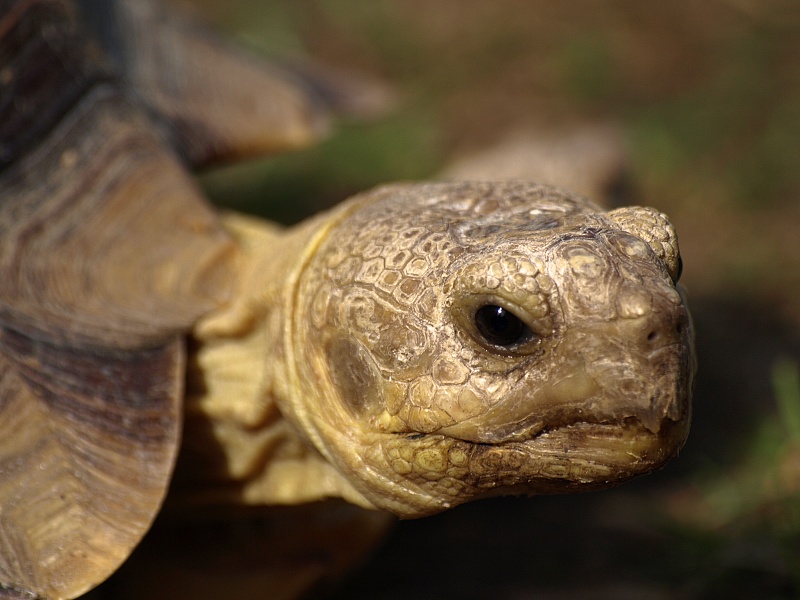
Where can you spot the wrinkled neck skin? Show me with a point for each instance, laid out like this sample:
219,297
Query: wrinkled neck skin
380,361
238,448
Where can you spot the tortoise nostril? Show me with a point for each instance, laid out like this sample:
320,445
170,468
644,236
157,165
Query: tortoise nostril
652,336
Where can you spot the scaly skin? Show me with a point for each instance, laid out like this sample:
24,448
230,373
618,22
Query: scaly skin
367,318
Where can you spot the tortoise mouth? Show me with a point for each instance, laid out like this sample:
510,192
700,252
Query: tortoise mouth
441,471
587,455
628,445
625,441
573,434
608,397
593,413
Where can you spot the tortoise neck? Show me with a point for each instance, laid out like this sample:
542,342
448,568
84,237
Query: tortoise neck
238,447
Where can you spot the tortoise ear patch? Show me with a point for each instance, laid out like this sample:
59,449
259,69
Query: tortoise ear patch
353,376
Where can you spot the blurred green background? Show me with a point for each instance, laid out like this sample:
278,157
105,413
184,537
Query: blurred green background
706,96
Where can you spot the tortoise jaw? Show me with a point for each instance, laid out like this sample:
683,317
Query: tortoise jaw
563,425
587,430
623,443
586,456
627,444
439,472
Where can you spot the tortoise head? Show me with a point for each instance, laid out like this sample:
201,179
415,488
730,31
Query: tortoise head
468,340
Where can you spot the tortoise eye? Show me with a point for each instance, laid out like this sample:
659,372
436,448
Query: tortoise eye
500,327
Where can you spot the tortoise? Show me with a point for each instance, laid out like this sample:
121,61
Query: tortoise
418,346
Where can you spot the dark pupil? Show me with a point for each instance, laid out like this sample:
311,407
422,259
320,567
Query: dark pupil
498,326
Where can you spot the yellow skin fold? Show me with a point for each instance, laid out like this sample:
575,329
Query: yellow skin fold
373,382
